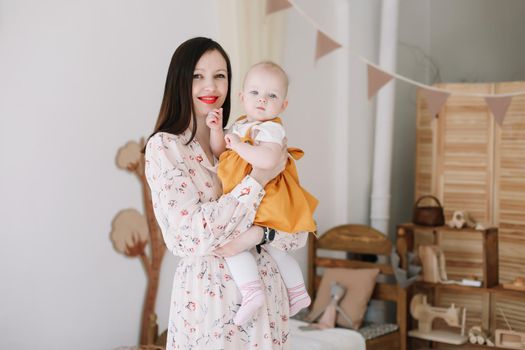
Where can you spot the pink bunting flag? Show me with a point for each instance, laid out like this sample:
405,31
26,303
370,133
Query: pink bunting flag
498,105
276,5
376,79
324,45
435,100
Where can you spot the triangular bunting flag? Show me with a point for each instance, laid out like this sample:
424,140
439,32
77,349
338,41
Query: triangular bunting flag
498,105
435,100
376,79
324,45
276,5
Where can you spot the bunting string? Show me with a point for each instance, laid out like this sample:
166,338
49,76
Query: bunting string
378,77
324,43
433,88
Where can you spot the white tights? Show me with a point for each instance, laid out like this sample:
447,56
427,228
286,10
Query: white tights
244,268
245,274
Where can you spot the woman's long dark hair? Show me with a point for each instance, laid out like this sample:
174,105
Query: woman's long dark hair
176,109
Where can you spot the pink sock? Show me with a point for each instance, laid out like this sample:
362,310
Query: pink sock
299,299
252,299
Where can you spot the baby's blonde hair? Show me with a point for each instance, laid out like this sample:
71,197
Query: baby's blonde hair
272,66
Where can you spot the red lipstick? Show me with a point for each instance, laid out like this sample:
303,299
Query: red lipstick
208,99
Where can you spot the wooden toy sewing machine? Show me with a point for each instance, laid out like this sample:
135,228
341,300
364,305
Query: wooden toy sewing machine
425,314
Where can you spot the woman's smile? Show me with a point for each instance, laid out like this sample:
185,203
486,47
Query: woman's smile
208,99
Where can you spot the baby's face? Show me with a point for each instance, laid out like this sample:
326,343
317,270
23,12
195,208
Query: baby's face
264,94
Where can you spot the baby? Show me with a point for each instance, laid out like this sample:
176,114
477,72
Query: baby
256,139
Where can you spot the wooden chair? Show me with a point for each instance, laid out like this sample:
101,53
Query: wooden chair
361,239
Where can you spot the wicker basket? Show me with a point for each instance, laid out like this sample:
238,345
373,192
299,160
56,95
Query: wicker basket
428,215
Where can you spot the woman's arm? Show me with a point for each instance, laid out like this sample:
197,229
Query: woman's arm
190,226
214,122
282,241
245,241
217,143
286,241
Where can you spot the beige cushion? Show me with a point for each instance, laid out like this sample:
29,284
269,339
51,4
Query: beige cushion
359,284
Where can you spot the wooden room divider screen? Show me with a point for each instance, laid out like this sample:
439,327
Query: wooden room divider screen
472,163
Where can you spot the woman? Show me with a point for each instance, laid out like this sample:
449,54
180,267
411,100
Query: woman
199,223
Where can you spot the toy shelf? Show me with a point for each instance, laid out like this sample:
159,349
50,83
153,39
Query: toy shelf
485,240
484,260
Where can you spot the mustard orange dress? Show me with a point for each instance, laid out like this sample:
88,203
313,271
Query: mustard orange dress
286,207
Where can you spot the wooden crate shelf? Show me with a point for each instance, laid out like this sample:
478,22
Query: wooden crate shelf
487,254
479,301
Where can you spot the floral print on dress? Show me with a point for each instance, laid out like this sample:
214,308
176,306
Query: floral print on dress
195,219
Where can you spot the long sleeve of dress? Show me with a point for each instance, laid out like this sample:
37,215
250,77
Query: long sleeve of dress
193,218
286,241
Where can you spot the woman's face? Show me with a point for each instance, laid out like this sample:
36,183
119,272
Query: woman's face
210,83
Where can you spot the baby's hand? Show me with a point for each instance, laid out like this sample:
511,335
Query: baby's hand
214,119
231,140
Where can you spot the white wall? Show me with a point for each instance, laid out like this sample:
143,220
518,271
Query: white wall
78,79
482,40
364,39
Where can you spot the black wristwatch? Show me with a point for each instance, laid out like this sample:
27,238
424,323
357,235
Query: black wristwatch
268,236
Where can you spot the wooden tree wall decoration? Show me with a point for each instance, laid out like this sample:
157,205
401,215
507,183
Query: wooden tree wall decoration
132,231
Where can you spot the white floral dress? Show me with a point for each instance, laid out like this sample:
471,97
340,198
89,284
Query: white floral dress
195,219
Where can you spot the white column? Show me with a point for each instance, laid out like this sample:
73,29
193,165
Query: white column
342,110
380,203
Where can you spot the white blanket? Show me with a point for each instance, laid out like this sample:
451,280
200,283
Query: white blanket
326,339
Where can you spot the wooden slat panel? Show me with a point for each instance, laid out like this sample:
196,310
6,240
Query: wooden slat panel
465,153
514,308
353,264
425,149
509,201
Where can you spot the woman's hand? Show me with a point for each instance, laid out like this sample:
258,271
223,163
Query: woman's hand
214,119
263,176
247,240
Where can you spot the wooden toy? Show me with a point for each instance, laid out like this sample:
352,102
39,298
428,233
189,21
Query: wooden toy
425,315
509,339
